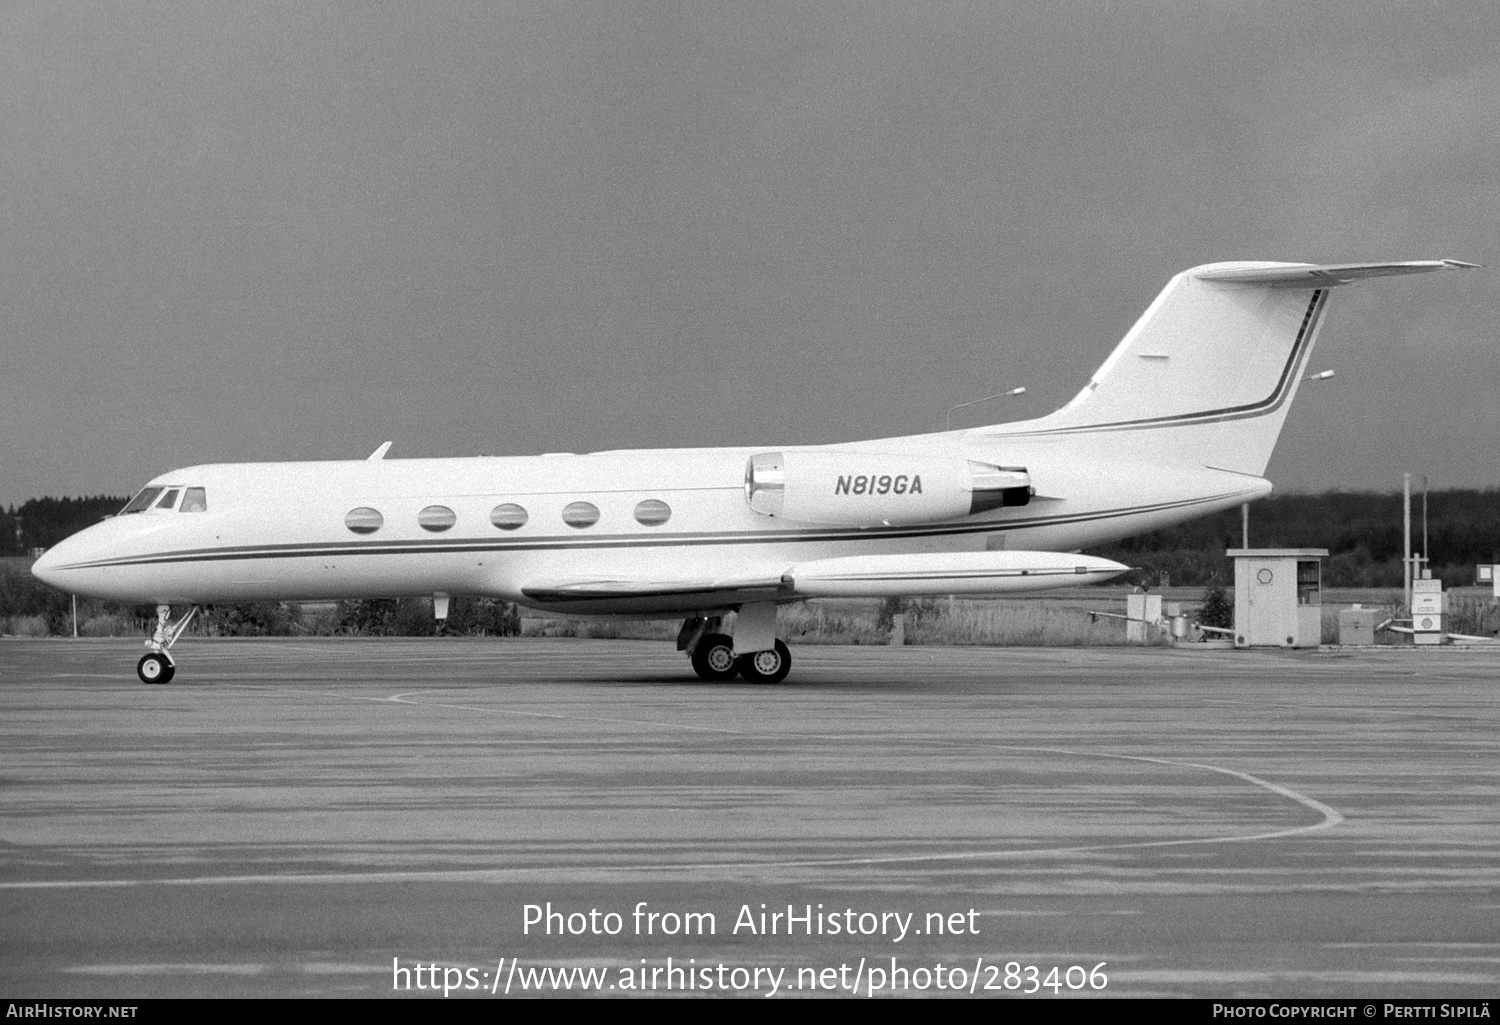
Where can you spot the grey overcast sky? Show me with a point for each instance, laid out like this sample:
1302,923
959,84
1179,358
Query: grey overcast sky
255,231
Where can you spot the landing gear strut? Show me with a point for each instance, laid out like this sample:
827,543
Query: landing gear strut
157,666
715,660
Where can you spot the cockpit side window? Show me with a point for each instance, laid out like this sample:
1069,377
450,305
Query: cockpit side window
196,500
169,499
141,501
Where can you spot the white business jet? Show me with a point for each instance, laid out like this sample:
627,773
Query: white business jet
1178,422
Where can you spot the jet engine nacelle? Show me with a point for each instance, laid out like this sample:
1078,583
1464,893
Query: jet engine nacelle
871,489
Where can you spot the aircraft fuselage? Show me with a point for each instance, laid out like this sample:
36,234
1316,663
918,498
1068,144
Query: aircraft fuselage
279,531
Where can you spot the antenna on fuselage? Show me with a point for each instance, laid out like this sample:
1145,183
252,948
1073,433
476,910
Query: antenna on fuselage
379,453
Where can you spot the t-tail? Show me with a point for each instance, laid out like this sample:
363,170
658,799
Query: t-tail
1207,374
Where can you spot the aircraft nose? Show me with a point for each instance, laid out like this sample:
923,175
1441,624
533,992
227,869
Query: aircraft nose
59,566
84,564
45,568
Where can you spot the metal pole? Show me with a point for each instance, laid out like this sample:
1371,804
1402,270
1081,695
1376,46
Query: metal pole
1406,557
75,615
1426,552
1245,525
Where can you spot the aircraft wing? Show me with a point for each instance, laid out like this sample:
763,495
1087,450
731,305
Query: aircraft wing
869,576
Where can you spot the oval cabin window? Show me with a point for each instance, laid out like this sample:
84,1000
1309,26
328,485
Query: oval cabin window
508,516
652,513
580,514
364,520
437,518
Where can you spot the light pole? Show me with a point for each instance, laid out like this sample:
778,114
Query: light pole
1426,552
975,402
1406,550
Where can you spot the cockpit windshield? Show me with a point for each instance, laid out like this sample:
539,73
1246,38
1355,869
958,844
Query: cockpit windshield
142,501
193,500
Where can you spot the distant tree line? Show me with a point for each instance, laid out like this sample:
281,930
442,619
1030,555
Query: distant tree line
42,522
1361,530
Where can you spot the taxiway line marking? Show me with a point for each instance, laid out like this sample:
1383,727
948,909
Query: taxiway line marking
1329,818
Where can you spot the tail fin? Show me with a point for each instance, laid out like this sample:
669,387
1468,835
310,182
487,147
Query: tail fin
1210,369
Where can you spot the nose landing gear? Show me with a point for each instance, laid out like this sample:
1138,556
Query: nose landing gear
157,665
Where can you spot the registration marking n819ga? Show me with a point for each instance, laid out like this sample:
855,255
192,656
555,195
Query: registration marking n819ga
882,485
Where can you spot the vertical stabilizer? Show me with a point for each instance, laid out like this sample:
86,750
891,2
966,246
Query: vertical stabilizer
1208,373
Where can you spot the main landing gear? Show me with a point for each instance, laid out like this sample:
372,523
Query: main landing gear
714,659
157,666
770,666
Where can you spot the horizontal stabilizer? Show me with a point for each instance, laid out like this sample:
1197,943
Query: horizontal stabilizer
875,576
1311,275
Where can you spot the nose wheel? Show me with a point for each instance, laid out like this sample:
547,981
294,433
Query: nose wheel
156,665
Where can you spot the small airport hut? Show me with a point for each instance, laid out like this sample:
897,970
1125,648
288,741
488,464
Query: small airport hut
1278,597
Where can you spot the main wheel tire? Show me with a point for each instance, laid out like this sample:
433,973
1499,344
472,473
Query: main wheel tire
713,658
770,666
154,668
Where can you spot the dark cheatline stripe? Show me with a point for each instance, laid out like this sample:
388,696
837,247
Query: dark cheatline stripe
569,594
460,545
1269,404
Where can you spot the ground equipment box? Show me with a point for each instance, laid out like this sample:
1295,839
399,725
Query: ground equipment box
1357,625
1143,617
